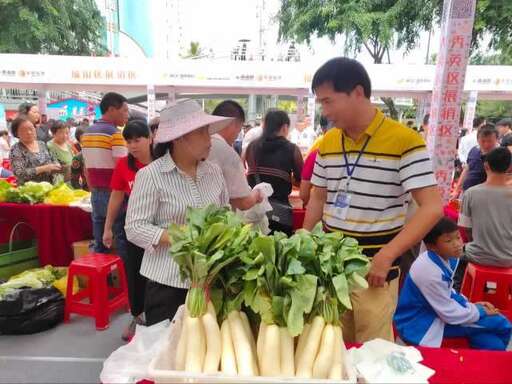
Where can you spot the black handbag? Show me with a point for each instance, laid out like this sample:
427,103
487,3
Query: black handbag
281,213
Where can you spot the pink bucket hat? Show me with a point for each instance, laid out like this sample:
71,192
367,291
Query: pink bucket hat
184,117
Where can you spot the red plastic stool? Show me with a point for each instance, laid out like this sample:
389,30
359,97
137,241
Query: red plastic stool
490,284
103,300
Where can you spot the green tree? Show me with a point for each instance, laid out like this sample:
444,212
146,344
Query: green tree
194,50
375,26
58,27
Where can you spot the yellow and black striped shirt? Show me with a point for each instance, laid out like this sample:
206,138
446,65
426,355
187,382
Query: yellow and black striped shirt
394,162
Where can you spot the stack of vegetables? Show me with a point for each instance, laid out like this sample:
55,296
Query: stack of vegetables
34,193
33,278
294,290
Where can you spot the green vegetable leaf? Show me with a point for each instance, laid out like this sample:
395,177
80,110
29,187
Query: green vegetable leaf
295,268
303,297
341,286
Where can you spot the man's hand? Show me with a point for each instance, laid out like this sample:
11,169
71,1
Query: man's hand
107,237
489,308
379,269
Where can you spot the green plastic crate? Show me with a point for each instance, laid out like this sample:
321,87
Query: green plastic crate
17,256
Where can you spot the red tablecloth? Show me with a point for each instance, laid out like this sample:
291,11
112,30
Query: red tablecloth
56,228
462,366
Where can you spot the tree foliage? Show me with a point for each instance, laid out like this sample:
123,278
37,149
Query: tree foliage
58,27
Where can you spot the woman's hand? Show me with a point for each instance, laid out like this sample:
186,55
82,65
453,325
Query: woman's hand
107,237
53,167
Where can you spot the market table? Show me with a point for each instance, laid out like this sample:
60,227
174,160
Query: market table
461,366
56,228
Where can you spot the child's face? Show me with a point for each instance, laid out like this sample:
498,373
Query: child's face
449,245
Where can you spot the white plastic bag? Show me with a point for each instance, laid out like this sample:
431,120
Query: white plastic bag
257,215
129,363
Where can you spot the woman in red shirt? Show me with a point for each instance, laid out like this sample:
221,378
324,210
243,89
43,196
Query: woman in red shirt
139,143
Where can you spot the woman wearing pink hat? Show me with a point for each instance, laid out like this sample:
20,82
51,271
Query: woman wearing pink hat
179,178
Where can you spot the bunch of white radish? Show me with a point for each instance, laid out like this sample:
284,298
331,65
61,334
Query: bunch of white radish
278,289
210,242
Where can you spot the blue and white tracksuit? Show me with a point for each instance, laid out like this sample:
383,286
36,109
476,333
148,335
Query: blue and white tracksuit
429,309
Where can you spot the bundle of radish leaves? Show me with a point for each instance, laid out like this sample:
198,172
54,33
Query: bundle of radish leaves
278,288
211,241
340,267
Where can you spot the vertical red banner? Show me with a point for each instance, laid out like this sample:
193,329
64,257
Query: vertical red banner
456,31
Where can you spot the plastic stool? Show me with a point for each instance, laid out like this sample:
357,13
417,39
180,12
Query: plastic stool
492,284
103,300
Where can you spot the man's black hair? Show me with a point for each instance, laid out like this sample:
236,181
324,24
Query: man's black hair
487,130
505,123
230,108
344,75
499,160
443,226
506,141
111,99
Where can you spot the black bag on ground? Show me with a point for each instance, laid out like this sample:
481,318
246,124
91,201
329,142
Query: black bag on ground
31,310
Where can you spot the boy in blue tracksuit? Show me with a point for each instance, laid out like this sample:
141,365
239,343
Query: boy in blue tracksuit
429,309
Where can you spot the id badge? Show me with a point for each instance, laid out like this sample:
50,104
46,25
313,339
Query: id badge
341,205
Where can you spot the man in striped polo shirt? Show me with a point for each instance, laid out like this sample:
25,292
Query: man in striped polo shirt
102,146
365,174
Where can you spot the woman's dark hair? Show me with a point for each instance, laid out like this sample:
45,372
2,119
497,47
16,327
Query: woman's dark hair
344,75
111,99
153,125
24,108
15,125
135,129
57,125
443,226
161,149
273,122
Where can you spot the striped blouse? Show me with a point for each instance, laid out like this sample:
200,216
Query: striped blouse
160,196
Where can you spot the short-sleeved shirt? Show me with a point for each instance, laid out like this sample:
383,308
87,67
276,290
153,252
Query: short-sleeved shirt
222,154
102,144
476,171
394,162
274,161
65,157
487,210
123,176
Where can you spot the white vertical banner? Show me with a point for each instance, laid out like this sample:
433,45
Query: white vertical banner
456,32
151,102
470,112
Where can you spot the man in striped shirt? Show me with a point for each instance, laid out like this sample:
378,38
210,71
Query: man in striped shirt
365,174
102,146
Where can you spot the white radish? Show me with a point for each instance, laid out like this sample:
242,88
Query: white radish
287,345
213,343
271,357
181,350
228,360
242,346
324,358
304,366
196,345
250,336
211,309
302,341
337,369
260,342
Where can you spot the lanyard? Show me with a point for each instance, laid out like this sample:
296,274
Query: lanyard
350,171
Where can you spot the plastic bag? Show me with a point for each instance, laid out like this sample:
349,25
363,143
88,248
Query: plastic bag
30,310
257,215
129,363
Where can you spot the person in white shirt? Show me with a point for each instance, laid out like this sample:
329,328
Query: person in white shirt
470,140
251,135
303,136
224,155
4,145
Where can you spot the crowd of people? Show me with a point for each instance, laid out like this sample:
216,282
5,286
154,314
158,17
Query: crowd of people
359,176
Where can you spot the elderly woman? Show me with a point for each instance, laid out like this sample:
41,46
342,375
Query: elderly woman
179,178
30,158
60,148
32,112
